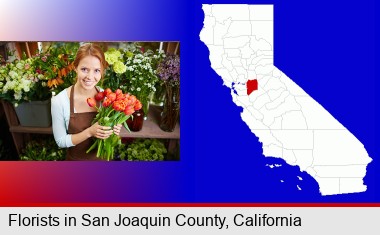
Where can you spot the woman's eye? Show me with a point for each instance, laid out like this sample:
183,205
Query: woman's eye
84,69
97,70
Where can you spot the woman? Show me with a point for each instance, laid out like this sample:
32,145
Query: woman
71,115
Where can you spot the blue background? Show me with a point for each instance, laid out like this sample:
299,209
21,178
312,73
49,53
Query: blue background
327,47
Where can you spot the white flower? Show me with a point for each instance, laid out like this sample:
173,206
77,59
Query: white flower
138,89
136,61
19,65
12,74
25,85
18,95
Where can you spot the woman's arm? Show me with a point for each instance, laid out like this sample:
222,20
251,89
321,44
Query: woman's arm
59,119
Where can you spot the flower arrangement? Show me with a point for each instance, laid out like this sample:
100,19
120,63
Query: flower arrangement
133,70
19,82
168,71
34,79
56,66
115,109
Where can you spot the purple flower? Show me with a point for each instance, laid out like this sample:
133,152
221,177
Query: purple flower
169,68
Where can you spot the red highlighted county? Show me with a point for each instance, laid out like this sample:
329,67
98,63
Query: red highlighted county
251,86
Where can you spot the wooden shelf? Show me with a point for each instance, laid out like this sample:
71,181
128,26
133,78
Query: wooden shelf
150,128
34,130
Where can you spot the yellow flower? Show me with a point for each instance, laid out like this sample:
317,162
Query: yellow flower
119,67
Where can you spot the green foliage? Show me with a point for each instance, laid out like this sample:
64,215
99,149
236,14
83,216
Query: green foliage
35,78
43,150
143,150
133,70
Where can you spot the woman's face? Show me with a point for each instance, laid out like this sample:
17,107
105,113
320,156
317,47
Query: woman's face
89,72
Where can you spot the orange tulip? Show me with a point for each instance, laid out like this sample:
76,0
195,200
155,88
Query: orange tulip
109,114
120,96
91,102
118,91
111,96
107,102
129,110
119,106
107,91
99,96
132,98
138,105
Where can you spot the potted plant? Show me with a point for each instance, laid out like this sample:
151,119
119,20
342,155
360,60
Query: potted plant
168,71
28,83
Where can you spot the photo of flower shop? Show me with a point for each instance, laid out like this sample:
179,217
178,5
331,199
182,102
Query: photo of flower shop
106,101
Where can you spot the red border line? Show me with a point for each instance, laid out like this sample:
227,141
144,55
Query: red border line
93,204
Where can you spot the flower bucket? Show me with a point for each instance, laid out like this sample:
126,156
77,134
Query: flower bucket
34,113
170,114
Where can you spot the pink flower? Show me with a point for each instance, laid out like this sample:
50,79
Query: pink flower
44,58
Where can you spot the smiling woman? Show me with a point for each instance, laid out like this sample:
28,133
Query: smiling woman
65,75
71,115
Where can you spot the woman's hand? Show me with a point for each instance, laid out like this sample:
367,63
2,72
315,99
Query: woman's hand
117,129
100,132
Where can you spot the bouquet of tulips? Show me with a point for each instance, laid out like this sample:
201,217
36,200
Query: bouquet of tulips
115,109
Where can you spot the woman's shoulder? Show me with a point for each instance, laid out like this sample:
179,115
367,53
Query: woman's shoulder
61,97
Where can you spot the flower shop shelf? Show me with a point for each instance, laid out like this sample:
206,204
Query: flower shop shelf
151,129
34,130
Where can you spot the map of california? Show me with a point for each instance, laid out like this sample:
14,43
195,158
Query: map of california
288,122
